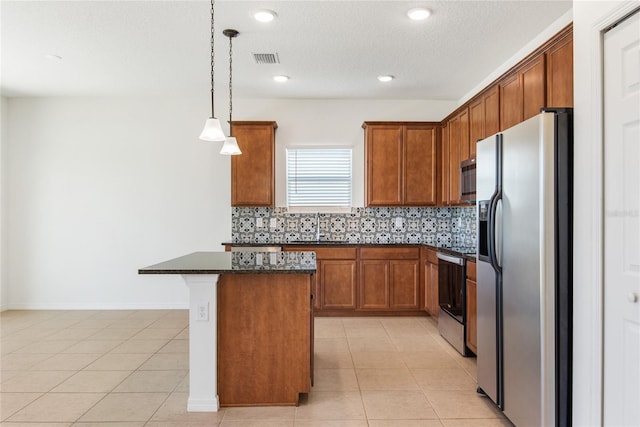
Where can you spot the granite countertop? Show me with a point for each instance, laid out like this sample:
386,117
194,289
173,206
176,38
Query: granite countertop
468,253
237,263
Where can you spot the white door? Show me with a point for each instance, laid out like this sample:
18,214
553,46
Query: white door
622,223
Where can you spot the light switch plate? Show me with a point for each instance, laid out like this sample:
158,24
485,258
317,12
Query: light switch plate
398,222
259,222
273,223
258,259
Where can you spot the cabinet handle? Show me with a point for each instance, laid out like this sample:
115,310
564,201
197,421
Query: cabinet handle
632,297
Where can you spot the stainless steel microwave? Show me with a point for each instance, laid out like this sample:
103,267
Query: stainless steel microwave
468,180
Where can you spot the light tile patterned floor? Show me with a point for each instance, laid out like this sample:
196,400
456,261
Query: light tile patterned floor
130,369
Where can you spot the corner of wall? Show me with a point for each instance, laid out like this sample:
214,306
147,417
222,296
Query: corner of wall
4,103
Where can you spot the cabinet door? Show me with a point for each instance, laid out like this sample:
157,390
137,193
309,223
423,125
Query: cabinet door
432,289
476,124
492,112
374,284
405,284
510,101
560,73
533,87
454,160
472,323
252,172
315,288
420,168
338,284
464,137
445,198
384,165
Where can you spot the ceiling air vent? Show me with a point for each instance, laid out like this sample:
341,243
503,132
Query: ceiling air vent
266,58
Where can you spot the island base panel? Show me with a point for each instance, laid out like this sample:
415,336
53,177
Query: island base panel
264,339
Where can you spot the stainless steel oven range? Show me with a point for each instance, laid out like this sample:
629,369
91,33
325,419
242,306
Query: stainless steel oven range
452,319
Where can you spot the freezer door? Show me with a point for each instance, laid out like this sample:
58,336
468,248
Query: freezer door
528,271
488,325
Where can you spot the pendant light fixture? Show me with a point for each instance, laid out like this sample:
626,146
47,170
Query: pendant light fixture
230,146
212,130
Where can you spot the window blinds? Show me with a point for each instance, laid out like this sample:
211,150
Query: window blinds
319,177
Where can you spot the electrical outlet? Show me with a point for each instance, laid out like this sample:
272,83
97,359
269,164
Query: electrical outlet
203,312
398,222
258,259
272,258
273,223
259,222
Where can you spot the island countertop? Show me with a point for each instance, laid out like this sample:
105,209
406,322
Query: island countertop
237,263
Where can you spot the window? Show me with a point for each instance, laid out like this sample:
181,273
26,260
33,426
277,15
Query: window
319,177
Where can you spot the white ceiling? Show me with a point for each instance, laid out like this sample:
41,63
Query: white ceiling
330,49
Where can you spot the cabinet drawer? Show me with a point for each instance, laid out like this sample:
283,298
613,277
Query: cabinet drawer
471,270
390,253
323,252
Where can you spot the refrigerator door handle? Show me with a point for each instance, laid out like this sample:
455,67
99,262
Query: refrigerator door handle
497,244
496,201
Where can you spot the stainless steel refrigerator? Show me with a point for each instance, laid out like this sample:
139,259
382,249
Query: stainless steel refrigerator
524,269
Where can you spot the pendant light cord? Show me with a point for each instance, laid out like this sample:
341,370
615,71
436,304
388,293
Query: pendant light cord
230,84
213,114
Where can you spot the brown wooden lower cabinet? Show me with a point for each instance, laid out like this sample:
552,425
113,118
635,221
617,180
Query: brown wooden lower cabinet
431,282
335,282
374,285
389,278
337,288
265,344
472,322
366,280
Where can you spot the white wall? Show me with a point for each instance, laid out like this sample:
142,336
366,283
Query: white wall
101,187
590,19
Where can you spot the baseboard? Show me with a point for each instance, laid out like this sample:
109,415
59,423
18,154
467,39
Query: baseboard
203,405
93,306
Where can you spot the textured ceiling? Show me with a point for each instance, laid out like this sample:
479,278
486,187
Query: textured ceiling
330,49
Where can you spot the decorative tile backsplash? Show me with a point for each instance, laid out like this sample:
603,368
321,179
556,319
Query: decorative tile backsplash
442,227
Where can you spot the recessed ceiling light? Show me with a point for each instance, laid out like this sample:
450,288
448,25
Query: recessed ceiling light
53,57
281,79
418,14
264,15
386,78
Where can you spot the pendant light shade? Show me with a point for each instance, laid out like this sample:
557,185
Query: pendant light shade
230,147
212,131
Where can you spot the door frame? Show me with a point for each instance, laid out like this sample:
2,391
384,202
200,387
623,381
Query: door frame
588,262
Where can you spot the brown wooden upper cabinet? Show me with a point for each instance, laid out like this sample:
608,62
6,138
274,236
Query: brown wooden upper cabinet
523,92
401,163
444,166
253,172
458,149
484,117
560,72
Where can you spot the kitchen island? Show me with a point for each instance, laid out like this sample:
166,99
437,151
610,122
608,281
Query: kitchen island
250,326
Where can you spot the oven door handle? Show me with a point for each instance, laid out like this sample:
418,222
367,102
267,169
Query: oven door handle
451,259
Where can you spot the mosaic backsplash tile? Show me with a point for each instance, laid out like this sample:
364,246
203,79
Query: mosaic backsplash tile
442,227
